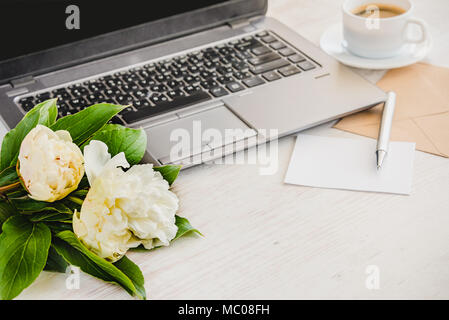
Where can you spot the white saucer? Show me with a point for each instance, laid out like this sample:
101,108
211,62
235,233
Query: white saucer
332,43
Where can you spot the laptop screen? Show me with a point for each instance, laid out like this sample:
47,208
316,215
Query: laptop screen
40,36
29,26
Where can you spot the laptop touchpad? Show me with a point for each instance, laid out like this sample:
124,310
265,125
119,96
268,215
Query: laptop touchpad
193,134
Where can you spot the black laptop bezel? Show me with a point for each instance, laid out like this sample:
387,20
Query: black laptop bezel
129,39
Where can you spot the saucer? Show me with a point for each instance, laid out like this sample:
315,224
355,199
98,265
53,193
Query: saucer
332,43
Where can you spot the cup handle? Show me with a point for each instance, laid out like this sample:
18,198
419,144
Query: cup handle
424,31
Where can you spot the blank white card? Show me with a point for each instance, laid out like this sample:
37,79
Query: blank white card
350,164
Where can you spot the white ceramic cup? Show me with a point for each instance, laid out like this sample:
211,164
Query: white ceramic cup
377,38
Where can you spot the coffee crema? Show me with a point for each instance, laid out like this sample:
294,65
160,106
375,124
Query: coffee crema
381,10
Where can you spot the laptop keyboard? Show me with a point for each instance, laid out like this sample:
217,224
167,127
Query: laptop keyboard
184,80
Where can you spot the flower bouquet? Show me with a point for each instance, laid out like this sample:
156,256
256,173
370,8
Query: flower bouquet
72,193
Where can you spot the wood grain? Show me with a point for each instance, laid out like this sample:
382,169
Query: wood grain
267,240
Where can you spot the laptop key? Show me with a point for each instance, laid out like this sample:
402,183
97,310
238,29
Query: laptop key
253,81
239,66
225,79
234,86
260,50
242,75
111,92
271,76
242,55
180,102
306,65
124,99
245,45
289,71
224,70
141,104
116,120
287,52
192,89
158,98
62,95
268,39
158,88
173,94
296,58
192,79
277,45
43,95
27,105
63,113
95,97
126,110
28,99
265,58
218,91
78,92
208,84
62,105
145,83
174,84
78,103
262,68
139,94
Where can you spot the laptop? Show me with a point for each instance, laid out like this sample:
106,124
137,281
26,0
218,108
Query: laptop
185,68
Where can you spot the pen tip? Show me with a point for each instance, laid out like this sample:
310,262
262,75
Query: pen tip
380,158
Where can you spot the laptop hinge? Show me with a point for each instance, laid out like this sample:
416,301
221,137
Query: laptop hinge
17,83
239,23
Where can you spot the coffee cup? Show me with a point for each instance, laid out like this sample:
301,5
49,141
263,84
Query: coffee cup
380,29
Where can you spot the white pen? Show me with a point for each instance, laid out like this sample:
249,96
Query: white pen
385,128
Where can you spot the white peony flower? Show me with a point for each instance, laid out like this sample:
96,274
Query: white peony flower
123,209
50,164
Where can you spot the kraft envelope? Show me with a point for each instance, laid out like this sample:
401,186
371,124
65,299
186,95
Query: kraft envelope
422,109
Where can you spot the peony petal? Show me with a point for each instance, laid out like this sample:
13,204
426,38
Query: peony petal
64,135
97,158
119,160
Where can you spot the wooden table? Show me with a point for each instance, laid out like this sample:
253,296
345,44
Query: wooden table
267,240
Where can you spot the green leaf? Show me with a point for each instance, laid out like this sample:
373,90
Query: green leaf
44,113
27,205
18,193
82,125
24,250
184,227
134,274
51,217
80,193
75,253
8,176
56,226
169,172
55,262
6,211
133,142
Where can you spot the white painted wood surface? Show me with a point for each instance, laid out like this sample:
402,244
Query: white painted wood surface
267,240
